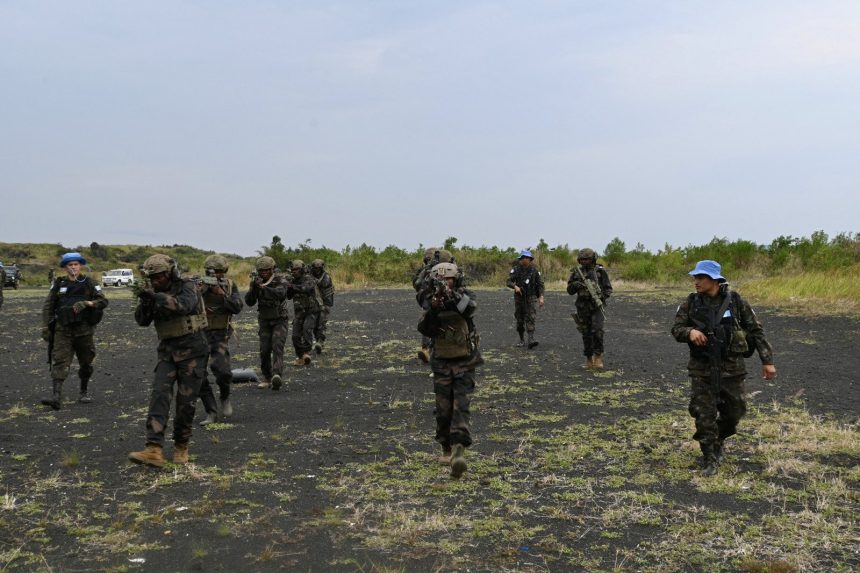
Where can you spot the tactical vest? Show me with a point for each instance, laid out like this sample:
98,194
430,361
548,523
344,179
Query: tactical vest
220,319
174,326
525,279
327,292
454,340
726,328
268,306
68,293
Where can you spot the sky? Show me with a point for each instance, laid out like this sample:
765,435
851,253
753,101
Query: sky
221,124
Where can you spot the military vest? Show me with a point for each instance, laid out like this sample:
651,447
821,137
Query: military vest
327,291
525,279
454,339
174,326
270,306
726,328
70,292
219,318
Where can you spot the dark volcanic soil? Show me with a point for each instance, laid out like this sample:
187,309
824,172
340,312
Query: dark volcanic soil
335,471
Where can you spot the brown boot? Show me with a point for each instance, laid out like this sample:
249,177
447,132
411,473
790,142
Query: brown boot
597,362
306,358
299,361
151,455
264,383
445,456
589,362
180,453
424,355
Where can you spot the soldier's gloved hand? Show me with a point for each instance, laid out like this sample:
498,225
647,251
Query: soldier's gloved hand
146,294
79,306
46,333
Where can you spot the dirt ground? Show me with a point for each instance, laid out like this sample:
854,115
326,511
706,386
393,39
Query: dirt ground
570,471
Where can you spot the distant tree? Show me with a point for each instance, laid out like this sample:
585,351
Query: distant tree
277,251
614,252
450,243
98,251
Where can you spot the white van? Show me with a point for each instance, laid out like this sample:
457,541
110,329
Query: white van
118,277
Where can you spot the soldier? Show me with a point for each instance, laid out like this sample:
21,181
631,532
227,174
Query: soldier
326,288
270,289
454,355
721,329
431,258
527,283
2,283
222,300
590,283
74,305
175,306
307,304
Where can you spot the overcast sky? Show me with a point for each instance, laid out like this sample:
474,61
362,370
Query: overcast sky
220,124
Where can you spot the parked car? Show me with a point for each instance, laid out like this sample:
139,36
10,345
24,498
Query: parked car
118,277
13,275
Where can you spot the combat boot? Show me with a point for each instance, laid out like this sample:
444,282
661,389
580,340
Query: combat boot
264,383
445,456
211,418
226,408
56,399
532,341
180,453
276,382
424,354
719,451
709,460
306,358
589,362
318,347
84,398
597,361
299,361
458,461
521,342
151,455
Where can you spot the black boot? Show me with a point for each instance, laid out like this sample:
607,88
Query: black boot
521,342
719,451
84,398
709,460
532,341
56,399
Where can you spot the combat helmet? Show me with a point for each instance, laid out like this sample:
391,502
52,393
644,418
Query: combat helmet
445,256
318,264
264,263
430,254
216,263
585,254
72,257
298,265
445,271
159,263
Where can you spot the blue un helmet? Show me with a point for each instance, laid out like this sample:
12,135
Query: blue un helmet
525,253
71,257
710,268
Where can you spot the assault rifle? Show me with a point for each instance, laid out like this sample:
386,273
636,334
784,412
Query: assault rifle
593,290
441,293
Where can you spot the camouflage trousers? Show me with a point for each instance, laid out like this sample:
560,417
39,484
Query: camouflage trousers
453,396
304,325
219,364
67,345
187,374
525,312
273,337
716,421
322,324
590,325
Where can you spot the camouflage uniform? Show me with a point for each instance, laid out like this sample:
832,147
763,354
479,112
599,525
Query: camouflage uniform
179,318
717,417
326,288
589,317
272,320
307,303
73,329
2,284
530,281
421,282
219,311
453,377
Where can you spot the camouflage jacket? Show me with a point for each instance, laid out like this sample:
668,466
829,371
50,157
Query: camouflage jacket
63,295
464,302
420,274
528,279
326,287
577,286
181,298
271,297
220,307
305,294
732,363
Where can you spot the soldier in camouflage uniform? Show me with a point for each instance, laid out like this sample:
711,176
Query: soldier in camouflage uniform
721,329
326,288
589,315
454,355
175,306
528,287
2,284
73,307
421,282
307,304
270,290
222,300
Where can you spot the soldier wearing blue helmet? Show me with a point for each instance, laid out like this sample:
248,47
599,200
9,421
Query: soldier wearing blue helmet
527,283
74,306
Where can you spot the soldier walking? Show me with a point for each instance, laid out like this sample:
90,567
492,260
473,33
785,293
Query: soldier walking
307,304
175,306
270,291
528,287
326,288
721,329
72,309
222,300
454,355
2,283
590,283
